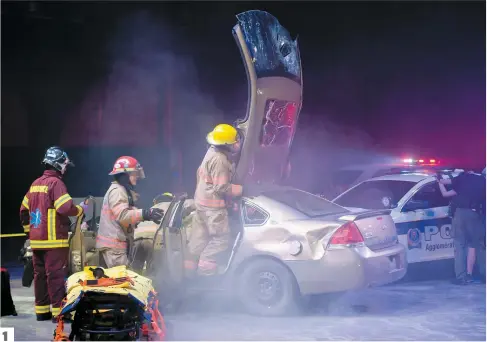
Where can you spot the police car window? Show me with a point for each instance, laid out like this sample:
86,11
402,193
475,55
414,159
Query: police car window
431,196
252,215
380,194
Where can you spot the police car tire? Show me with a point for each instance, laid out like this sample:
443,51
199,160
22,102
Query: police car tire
288,304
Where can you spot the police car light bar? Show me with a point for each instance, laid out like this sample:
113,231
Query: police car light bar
420,161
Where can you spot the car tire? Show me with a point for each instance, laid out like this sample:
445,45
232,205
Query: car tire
253,284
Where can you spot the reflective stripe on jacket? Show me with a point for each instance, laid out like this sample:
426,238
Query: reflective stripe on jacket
116,219
49,206
213,180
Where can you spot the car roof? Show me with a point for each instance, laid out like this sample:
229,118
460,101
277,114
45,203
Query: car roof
408,177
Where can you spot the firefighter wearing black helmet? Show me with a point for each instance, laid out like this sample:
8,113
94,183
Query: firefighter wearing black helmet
44,214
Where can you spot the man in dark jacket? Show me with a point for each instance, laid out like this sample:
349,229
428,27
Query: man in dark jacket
44,214
468,224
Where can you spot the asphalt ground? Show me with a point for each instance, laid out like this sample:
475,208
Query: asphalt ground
421,309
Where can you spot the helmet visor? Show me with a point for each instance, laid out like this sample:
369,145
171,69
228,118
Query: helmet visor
140,172
67,160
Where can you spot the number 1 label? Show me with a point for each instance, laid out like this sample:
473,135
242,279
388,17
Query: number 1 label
6,334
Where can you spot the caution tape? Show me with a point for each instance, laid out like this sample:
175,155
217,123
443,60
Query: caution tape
12,235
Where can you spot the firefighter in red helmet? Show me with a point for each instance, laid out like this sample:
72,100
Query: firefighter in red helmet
119,216
44,213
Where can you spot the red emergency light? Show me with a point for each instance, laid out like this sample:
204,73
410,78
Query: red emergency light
411,161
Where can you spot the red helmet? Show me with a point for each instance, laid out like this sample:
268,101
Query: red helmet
127,164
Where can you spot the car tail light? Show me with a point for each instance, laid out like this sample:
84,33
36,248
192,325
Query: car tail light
347,234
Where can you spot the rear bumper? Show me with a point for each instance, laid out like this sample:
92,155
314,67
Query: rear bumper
346,268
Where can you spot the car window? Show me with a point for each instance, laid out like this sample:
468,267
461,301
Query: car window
431,196
253,215
306,203
379,194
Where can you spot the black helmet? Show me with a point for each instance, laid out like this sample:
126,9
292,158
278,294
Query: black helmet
57,158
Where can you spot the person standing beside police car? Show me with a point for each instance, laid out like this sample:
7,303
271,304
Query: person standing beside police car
468,223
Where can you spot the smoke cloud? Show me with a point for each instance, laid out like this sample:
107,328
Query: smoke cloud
150,102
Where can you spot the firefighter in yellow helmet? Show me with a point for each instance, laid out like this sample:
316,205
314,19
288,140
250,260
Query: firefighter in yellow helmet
210,234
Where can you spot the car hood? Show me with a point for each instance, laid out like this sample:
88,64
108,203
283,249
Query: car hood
273,65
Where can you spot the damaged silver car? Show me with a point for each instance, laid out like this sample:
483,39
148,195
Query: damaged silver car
287,243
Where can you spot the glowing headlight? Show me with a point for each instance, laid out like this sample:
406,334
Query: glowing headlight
295,247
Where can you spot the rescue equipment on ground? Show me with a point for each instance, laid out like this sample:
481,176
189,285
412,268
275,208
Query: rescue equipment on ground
110,304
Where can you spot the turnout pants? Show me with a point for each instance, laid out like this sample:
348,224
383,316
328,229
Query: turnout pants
114,257
209,240
50,273
142,253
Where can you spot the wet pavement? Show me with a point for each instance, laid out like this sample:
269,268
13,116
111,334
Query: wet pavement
425,310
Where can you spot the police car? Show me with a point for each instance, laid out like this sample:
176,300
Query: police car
420,212
350,175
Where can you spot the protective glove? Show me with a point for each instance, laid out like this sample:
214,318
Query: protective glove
84,206
85,202
153,214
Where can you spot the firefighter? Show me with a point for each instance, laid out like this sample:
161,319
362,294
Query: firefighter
44,214
210,234
119,216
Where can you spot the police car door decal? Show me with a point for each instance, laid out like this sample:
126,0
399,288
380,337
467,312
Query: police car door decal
425,231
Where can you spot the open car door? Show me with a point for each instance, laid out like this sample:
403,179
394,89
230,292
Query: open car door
273,66
82,251
167,264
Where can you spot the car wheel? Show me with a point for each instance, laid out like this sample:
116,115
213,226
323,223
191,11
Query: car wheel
268,288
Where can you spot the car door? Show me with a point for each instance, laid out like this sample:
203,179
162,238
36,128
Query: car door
273,64
82,237
167,264
424,226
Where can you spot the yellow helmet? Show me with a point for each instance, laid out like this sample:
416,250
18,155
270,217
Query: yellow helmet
222,134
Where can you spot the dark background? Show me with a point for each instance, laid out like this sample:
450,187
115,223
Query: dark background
104,79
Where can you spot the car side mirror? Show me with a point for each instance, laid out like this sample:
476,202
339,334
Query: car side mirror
415,205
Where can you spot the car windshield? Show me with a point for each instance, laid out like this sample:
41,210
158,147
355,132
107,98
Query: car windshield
306,203
379,194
